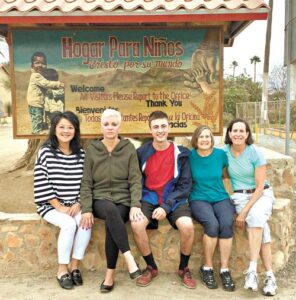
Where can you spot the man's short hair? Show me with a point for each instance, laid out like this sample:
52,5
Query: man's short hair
158,114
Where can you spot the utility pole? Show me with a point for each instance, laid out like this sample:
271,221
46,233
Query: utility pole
288,29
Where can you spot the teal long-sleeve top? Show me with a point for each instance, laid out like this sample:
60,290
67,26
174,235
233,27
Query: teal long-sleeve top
206,173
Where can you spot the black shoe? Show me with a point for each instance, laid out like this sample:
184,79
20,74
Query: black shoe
135,274
106,288
76,277
227,282
65,281
207,277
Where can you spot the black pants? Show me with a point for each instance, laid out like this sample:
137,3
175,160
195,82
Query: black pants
115,216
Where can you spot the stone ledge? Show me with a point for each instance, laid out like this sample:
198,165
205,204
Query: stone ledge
28,244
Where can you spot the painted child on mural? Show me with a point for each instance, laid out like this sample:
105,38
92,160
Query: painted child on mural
37,87
54,100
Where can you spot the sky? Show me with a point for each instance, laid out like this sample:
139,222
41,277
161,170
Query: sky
251,42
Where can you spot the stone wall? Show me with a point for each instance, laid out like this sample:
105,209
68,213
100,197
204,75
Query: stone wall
28,245
280,173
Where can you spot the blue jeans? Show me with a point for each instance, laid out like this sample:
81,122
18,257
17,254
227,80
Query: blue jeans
36,114
216,218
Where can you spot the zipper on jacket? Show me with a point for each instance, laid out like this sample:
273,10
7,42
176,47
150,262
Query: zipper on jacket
110,182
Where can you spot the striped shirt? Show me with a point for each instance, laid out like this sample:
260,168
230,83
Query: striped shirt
56,178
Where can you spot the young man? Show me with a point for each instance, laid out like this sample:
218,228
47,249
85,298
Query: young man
166,186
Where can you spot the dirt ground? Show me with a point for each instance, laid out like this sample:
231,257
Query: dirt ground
16,196
167,286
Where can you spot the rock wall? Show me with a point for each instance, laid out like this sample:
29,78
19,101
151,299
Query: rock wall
28,245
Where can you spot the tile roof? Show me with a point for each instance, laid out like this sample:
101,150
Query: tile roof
127,6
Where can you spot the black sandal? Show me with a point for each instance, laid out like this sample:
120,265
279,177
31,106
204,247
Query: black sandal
106,288
65,281
76,277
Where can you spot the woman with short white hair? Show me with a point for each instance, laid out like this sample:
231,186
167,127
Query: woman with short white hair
111,191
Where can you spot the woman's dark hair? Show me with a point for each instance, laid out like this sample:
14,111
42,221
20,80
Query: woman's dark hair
197,132
249,140
52,140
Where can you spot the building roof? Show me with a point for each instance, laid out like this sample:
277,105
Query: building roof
237,13
68,6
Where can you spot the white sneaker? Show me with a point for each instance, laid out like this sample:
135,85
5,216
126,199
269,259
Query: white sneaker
270,286
251,281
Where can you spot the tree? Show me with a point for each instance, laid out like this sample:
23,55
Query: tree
264,119
240,89
254,60
278,79
233,65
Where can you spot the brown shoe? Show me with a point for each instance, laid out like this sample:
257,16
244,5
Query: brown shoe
147,276
187,279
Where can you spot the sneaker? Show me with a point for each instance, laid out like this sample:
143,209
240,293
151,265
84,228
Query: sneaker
270,286
227,282
207,277
187,279
147,276
251,281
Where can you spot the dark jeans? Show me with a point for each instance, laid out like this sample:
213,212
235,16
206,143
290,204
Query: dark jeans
115,216
216,218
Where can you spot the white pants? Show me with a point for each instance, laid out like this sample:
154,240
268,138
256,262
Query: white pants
259,213
71,238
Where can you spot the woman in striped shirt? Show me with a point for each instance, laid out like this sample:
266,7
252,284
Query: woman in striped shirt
57,176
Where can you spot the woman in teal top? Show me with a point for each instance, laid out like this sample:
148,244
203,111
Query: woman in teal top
210,205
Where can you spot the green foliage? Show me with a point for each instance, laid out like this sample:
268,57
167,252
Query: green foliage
233,65
293,116
227,118
8,109
277,96
255,59
240,89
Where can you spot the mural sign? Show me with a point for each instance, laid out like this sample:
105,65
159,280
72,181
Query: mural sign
135,71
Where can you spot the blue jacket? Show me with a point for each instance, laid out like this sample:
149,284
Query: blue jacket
177,190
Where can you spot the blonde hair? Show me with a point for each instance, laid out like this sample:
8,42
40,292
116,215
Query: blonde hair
109,112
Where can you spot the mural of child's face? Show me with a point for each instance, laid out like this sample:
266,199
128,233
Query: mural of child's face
39,63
